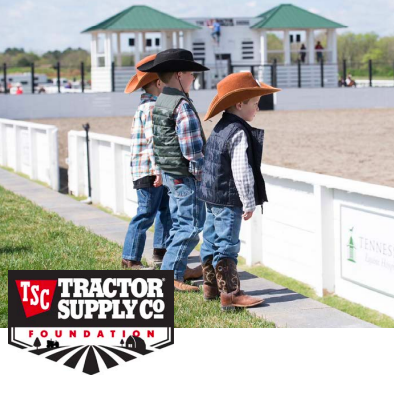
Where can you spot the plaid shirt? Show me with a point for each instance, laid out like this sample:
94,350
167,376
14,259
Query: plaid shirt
142,158
188,129
242,171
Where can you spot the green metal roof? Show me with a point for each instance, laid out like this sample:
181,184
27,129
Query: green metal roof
289,16
142,18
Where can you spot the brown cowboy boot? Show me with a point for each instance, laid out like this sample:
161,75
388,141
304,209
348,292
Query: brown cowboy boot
158,254
231,295
193,274
135,265
183,287
210,286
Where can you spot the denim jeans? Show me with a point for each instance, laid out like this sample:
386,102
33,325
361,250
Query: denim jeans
152,207
188,216
221,233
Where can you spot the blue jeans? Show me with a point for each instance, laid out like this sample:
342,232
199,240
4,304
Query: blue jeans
152,207
221,233
188,216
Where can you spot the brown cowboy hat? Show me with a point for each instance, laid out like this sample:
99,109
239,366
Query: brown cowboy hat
141,79
236,88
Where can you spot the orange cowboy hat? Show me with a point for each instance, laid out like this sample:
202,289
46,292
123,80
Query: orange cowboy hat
140,79
236,88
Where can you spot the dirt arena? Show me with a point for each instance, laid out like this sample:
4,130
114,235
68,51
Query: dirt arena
353,143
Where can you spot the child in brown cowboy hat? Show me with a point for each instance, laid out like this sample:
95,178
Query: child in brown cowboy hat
179,145
232,185
152,195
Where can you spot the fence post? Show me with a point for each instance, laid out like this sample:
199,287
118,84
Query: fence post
5,78
299,72
322,72
82,77
203,75
86,127
370,72
252,69
113,76
58,76
32,78
275,73
344,72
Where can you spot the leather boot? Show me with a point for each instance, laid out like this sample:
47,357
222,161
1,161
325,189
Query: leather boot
135,265
228,281
193,274
183,287
158,254
210,285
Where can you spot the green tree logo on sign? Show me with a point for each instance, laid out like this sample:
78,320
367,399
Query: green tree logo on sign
351,248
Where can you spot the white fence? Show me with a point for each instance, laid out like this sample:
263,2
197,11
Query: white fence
334,234
30,149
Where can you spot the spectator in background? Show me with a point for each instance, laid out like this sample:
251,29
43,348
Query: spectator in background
19,90
303,53
350,81
319,54
215,31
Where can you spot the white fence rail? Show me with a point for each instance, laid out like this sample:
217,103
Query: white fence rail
31,149
334,234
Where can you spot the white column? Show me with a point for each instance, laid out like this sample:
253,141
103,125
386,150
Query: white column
263,47
187,40
137,56
93,50
119,51
311,46
143,44
108,49
163,40
172,44
286,46
332,35
178,41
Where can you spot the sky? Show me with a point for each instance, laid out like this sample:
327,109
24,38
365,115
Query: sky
42,25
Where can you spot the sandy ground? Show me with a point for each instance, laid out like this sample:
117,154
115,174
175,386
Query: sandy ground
355,144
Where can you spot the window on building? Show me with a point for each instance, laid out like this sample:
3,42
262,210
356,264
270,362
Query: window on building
157,41
149,42
131,42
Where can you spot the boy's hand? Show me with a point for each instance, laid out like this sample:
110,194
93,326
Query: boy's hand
247,215
158,181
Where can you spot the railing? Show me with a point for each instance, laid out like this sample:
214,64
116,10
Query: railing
30,149
334,234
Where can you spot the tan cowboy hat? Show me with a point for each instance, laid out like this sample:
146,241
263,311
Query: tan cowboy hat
141,79
236,88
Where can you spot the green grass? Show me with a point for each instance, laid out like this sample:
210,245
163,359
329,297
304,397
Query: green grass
34,239
351,308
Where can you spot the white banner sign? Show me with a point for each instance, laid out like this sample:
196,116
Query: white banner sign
367,249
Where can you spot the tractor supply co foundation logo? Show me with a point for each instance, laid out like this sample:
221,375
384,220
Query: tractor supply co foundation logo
90,320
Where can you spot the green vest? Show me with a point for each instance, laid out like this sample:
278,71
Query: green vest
168,154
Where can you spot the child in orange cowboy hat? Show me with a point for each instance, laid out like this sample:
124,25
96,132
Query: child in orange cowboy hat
153,200
232,185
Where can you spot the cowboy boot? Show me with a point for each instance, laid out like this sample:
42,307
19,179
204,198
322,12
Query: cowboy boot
183,287
193,274
210,285
158,254
228,281
135,265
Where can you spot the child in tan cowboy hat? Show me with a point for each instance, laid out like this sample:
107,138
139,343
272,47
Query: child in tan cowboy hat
152,195
232,185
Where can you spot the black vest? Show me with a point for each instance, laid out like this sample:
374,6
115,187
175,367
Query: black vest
217,185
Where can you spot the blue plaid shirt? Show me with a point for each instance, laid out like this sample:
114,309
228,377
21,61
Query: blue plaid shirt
188,129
